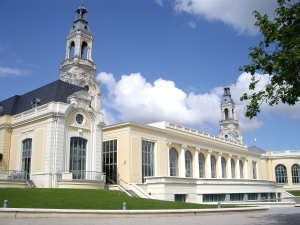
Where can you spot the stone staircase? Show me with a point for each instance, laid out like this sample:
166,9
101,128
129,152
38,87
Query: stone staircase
30,184
129,192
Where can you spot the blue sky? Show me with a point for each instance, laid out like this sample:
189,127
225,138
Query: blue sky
156,60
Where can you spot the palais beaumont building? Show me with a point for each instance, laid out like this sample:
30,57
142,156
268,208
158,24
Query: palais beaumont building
55,137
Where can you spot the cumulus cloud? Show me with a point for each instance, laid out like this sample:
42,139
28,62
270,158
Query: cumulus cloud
159,2
5,71
132,98
235,13
192,24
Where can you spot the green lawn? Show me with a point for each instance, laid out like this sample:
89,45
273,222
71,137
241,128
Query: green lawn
295,193
84,199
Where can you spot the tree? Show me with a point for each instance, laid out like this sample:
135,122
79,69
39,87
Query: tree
278,55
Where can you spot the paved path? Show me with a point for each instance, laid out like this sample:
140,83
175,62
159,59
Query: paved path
290,216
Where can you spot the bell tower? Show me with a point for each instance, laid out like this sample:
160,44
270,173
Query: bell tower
229,125
78,67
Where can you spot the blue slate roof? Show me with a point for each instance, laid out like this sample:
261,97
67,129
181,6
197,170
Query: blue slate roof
57,91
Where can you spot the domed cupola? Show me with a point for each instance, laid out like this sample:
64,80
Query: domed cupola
81,21
227,96
229,125
78,67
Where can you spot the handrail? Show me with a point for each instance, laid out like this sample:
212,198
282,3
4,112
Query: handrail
81,175
17,175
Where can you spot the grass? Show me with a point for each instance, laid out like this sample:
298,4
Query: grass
85,199
295,193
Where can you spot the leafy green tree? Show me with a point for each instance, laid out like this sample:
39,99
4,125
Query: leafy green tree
278,55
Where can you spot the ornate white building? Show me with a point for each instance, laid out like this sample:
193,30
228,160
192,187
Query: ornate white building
55,137
52,136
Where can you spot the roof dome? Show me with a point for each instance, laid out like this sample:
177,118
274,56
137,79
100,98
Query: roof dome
81,21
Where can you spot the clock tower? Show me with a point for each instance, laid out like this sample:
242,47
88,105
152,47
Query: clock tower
229,125
78,67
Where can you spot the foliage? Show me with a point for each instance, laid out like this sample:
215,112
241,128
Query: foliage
278,55
85,199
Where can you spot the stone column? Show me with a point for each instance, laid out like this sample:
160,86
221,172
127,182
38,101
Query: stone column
182,161
219,165
208,165
246,168
238,168
229,174
168,155
196,163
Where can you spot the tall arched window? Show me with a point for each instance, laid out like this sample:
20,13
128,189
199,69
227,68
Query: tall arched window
223,166
281,174
201,165
232,168
188,164
226,114
78,157
296,174
173,162
84,49
72,50
241,169
26,156
213,166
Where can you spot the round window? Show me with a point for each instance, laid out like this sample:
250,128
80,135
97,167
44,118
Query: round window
226,136
79,118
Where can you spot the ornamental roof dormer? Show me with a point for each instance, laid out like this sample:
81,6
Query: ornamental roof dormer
81,22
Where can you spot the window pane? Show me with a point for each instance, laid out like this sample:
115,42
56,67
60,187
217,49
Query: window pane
110,161
201,166
147,159
281,174
173,162
213,166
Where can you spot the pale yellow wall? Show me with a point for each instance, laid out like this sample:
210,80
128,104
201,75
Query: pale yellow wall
38,152
36,131
5,135
129,151
288,162
124,157
162,158
14,152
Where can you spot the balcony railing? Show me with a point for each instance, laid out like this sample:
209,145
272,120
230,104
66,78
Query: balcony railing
80,175
17,175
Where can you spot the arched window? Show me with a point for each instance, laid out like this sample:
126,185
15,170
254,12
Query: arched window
83,49
223,166
173,162
78,157
213,166
72,50
201,165
226,114
296,174
241,169
188,164
232,168
26,156
281,174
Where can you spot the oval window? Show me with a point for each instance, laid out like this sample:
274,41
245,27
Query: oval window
79,118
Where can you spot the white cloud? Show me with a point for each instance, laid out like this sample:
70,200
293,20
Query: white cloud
192,24
236,13
5,71
133,98
159,2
